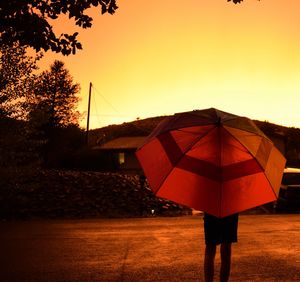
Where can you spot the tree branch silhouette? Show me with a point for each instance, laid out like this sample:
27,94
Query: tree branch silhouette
27,22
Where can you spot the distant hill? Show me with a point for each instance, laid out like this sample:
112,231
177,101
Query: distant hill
141,127
289,136
144,127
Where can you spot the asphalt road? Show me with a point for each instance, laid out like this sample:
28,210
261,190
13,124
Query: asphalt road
145,249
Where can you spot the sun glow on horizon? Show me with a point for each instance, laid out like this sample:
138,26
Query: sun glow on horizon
156,58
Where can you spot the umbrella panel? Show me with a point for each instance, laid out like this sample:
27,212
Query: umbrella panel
241,193
264,151
219,199
217,156
219,148
192,190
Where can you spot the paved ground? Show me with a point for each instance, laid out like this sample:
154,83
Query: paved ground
151,249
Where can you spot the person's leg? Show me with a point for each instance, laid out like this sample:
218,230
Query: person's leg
225,261
209,260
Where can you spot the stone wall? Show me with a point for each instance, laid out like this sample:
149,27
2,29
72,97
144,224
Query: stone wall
40,193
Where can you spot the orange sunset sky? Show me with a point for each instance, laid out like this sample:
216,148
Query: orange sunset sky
159,57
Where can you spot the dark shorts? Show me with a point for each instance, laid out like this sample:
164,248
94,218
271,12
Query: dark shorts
220,230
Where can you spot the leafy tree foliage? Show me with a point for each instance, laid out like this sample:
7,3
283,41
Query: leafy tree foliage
27,22
55,98
16,79
235,1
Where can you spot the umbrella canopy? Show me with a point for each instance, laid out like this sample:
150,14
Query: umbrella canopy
212,161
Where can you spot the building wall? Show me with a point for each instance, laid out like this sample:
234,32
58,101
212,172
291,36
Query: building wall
131,162
121,161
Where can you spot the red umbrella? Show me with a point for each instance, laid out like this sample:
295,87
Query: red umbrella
212,161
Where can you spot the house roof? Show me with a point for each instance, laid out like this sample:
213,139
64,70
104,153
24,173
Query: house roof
123,143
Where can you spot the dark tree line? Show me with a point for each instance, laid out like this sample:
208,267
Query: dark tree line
45,104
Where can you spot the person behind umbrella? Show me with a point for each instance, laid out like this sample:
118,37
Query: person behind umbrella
219,231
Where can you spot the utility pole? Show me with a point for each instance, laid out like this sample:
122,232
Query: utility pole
88,116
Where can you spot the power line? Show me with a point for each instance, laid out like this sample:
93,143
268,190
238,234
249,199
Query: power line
98,92
88,116
111,115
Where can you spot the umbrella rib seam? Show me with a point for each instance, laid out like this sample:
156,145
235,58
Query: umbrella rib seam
263,170
246,149
174,166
